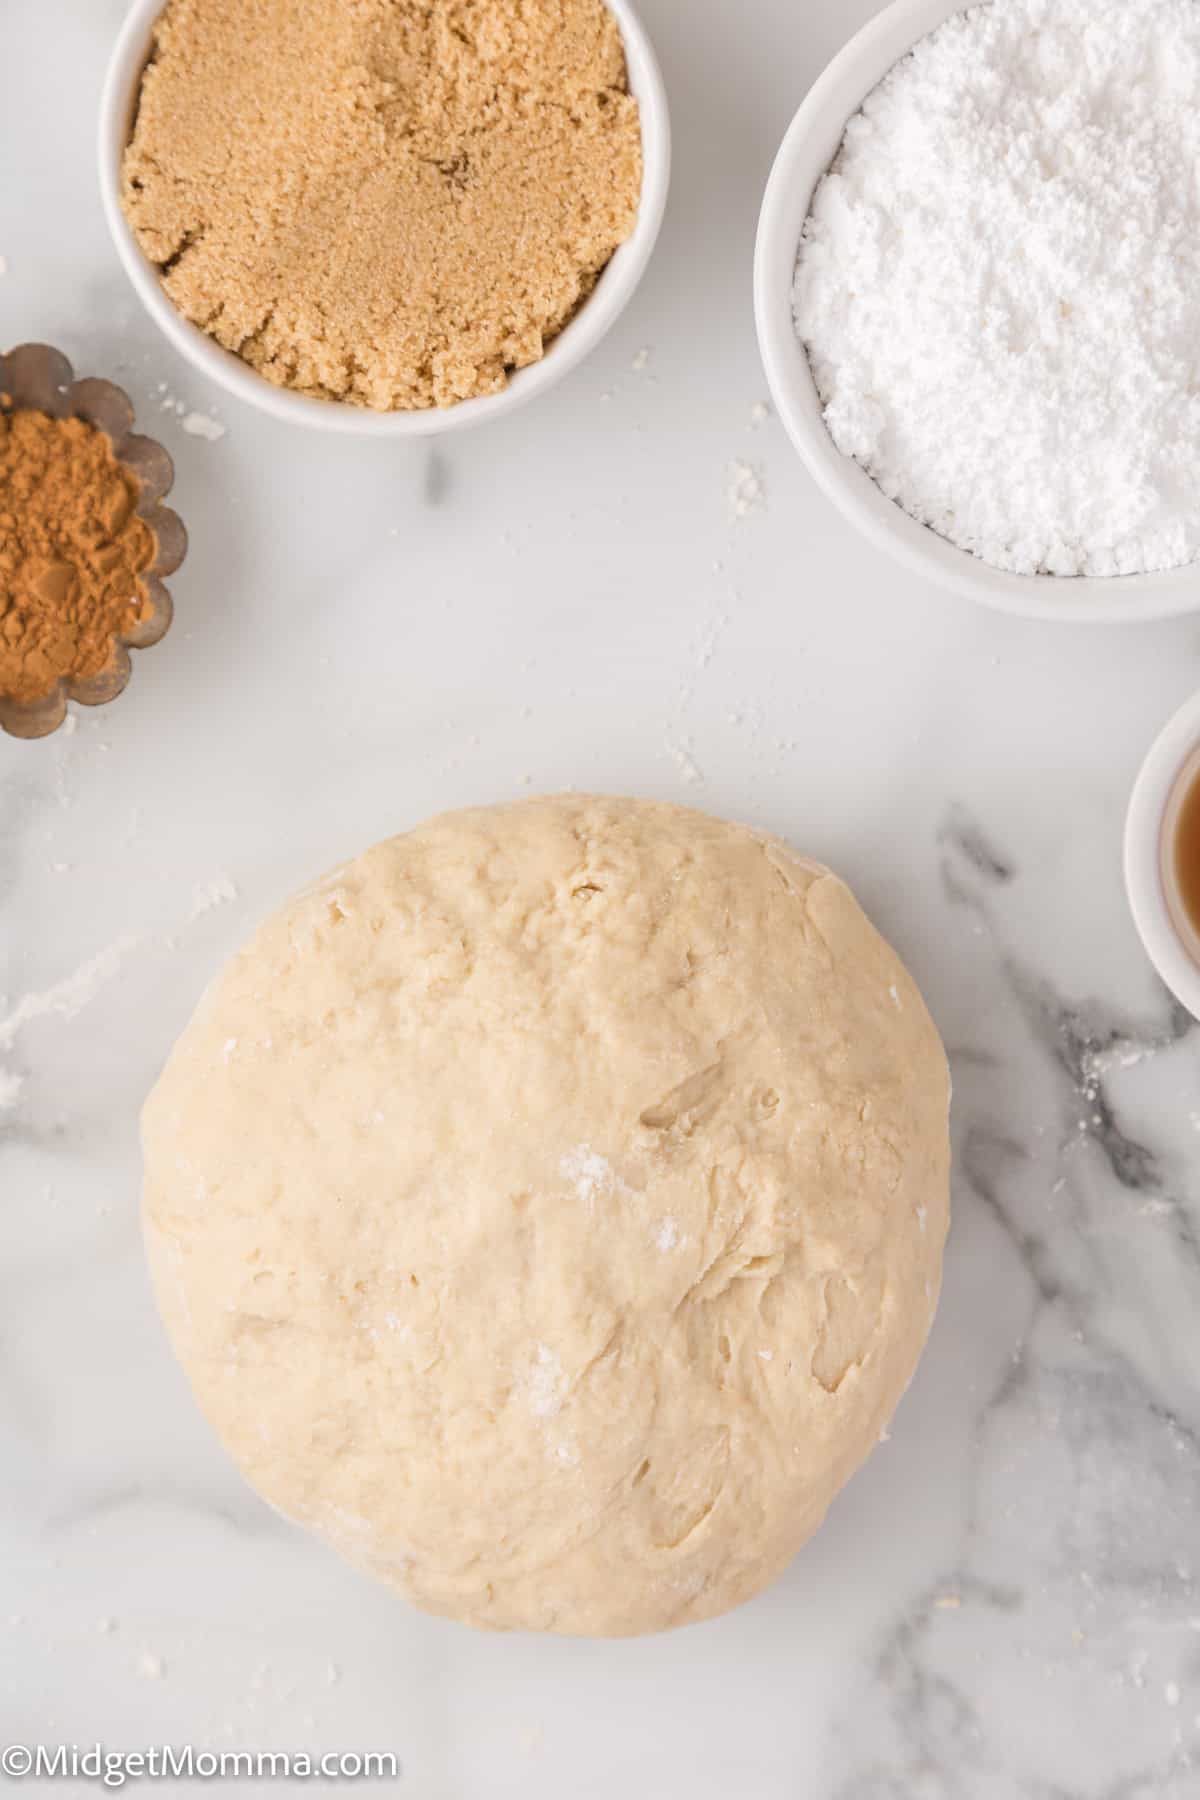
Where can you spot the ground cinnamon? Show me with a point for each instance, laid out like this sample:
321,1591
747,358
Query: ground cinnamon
72,553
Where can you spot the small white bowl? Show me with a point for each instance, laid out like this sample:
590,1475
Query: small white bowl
597,314
808,149
1166,777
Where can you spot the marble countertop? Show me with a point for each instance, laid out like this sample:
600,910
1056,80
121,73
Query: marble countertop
1004,1603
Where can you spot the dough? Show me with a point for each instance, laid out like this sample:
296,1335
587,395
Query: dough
548,1209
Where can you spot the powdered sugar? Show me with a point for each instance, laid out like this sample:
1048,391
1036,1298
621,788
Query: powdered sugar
202,425
69,996
217,892
999,285
745,492
688,768
589,1173
547,1384
667,1235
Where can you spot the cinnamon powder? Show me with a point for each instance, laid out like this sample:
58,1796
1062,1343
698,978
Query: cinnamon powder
72,553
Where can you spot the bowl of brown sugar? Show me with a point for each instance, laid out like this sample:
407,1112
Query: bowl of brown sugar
395,217
84,540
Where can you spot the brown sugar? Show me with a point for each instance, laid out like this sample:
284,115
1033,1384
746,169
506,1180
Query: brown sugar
72,553
391,202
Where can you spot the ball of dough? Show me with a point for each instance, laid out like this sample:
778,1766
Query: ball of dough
548,1209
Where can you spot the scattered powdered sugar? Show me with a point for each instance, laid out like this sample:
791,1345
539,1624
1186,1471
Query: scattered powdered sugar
206,899
709,638
228,1048
196,424
746,493
667,1235
589,1174
69,996
760,412
999,285
201,425
339,1521
151,1667
1094,1065
3,265
546,1383
10,1088
639,362
685,762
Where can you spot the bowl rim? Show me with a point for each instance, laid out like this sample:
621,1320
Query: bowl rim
807,149
578,337
1170,767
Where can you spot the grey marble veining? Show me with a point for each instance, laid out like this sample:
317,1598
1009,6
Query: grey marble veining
1057,1653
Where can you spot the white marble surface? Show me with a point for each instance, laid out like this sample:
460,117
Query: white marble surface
1004,1604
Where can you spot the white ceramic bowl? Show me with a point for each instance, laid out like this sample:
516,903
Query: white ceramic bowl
1171,941
808,149
594,318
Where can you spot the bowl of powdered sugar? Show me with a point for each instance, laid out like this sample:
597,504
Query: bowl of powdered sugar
977,286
